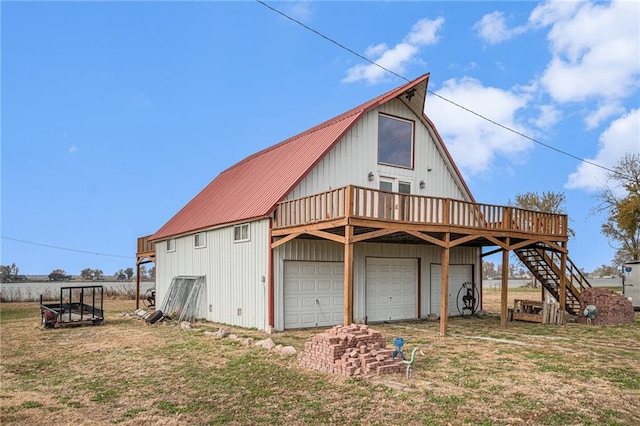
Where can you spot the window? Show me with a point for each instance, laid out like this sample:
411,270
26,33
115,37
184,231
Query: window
395,141
200,240
241,233
171,245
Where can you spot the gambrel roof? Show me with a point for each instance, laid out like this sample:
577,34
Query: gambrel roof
251,188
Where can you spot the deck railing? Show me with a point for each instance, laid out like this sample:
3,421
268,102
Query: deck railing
368,203
146,246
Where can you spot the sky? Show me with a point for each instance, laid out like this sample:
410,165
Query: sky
116,114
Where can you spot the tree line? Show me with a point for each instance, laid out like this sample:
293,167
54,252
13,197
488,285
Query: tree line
10,273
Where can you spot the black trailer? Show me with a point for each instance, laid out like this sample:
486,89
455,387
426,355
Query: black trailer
77,305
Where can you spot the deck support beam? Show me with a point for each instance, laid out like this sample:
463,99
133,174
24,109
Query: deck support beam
504,289
444,289
563,280
348,275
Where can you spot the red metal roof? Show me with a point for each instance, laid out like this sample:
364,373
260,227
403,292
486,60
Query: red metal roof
252,188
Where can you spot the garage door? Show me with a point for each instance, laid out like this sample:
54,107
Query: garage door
391,289
313,294
458,275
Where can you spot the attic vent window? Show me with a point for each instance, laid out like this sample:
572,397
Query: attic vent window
171,245
200,240
241,233
395,141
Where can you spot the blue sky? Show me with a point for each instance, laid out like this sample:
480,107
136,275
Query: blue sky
116,114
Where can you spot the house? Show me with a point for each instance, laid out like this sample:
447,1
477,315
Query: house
362,218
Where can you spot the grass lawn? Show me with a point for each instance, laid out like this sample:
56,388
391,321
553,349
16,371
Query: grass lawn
128,372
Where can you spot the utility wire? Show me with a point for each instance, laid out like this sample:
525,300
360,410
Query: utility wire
435,94
65,248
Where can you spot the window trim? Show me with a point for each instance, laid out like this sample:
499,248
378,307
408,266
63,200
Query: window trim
413,141
241,240
203,236
171,247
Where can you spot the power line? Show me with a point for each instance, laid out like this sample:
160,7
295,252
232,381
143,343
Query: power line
433,93
65,248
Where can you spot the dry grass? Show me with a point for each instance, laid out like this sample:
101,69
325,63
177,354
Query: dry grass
128,372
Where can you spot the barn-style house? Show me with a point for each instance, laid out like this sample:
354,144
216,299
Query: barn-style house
363,218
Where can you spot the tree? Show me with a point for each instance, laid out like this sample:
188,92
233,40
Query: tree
605,271
547,202
152,272
9,272
620,199
97,274
129,273
488,270
58,275
120,275
85,274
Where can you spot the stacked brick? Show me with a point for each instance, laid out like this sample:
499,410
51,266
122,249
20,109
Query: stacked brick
613,308
353,350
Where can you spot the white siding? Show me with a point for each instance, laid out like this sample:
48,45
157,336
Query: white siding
351,160
236,273
319,250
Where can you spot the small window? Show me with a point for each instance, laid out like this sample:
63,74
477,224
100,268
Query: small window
241,233
171,245
200,239
395,142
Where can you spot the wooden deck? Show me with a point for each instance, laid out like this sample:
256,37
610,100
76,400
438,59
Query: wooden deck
417,218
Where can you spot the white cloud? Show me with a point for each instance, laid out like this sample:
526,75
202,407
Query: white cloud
595,47
474,142
549,117
621,137
424,32
73,149
492,28
605,110
300,10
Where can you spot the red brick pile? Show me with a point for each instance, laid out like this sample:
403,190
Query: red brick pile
613,308
353,350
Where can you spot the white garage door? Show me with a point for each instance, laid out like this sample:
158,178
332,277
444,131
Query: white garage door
391,289
313,294
458,275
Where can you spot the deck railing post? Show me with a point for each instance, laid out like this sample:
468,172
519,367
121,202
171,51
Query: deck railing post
446,211
349,202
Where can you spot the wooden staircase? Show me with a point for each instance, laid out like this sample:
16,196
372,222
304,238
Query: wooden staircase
545,264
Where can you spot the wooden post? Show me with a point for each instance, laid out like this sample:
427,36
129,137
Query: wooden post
505,287
563,281
444,290
348,275
138,284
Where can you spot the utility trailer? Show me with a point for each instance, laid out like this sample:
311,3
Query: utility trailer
77,305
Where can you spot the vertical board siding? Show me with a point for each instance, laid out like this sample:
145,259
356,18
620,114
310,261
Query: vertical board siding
351,160
234,273
328,251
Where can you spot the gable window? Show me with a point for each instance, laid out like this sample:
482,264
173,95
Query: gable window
395,141
241,233
171,245
200,240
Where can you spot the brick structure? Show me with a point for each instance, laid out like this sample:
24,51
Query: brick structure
353,350
613,308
